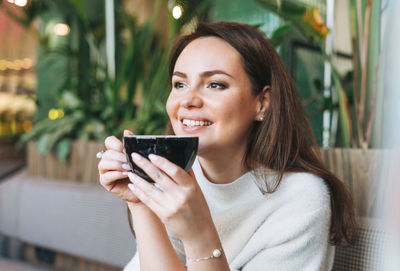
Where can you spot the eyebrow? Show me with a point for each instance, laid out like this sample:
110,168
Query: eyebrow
203,74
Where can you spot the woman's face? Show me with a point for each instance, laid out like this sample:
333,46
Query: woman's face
211,96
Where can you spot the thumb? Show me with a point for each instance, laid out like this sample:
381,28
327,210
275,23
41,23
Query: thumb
127,132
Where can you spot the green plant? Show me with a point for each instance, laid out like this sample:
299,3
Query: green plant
95,105
365,32
306,18
356,102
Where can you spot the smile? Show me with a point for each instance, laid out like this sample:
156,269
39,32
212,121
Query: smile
192,123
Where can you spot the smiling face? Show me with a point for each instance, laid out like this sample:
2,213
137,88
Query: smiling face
211,97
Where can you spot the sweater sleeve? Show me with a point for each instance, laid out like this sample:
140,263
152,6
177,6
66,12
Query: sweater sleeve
306,251
296,235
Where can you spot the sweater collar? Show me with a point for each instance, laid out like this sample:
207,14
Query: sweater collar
231,193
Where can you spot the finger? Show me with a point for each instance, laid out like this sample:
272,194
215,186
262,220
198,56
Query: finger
149,190
152,171
144,198
175,172
112,165
117,183
107,179
113,143
114,155
127,133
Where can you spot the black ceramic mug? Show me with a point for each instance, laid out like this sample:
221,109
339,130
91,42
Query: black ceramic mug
177,149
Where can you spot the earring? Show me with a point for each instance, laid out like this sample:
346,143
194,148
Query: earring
261,118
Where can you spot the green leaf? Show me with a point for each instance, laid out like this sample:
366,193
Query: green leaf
38,129
42,144
80,11
79,115
279,33
305,17
64,127
63,150
70,100
345,119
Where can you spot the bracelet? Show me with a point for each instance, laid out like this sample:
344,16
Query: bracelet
216,254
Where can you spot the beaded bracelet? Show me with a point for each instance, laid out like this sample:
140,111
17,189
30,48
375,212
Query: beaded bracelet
216,254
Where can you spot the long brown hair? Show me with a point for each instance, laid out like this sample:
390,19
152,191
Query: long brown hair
284,142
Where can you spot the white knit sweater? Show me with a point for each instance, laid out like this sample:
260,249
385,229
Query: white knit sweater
285,230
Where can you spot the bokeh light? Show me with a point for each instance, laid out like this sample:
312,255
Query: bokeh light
20,3
56,114
17,64
27,125
177,12
61,29
27,63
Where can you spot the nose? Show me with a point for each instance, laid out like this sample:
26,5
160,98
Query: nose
191,99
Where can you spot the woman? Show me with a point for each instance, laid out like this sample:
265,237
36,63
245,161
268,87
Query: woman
258,196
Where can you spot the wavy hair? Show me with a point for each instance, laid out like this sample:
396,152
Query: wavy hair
284,141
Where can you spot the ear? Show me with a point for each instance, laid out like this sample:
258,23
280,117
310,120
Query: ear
263,102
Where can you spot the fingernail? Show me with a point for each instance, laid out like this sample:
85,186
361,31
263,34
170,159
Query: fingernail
126,166
131,187
136,156
153,157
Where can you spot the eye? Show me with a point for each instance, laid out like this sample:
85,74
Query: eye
179,85
218,85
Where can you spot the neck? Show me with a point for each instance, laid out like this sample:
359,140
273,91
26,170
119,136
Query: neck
222,166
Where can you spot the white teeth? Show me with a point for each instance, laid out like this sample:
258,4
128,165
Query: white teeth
192,123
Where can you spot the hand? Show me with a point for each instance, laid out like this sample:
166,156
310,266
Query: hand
111,166
177,199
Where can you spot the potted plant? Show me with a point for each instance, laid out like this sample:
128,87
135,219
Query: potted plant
89,103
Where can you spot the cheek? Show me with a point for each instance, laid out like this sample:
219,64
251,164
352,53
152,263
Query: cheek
239,111
170,106
240,117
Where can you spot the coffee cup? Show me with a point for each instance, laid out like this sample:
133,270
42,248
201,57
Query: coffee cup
179,150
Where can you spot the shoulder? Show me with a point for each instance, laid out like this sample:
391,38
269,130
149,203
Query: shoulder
296,220
305,190
305,181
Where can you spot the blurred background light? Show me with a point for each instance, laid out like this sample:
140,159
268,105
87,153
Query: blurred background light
17,64
56,114
3,65
53,114
61,29
27,125
10,65
27,63
60,113
177,12
20,3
